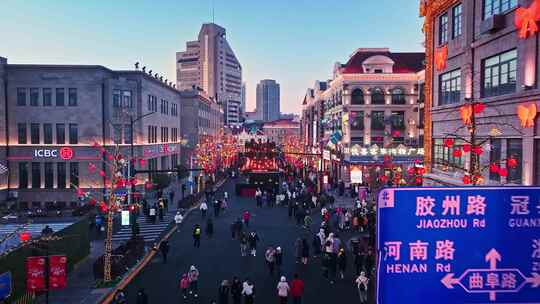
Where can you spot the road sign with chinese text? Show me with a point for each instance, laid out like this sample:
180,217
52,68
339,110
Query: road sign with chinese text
459,245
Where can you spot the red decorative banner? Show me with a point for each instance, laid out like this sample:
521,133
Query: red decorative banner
441,55
525,20
57,271
35,274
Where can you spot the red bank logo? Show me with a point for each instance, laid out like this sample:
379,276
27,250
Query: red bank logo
66,153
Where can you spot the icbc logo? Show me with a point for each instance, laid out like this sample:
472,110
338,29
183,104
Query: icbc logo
66,153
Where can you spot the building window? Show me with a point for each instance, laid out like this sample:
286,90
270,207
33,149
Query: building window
164,163
60,134
127,134
398,96
116,98
377,96
73,134
421,118
61,175
23,175
450,87
34,134
127,100
357,97
117,134
47,97
443,156
457,16
21,133
377,120
72,98
495,7
74,175
443,29
21,96
36,175
499,74
514,149
357,120
495,158
60,97
49,175
398,120
34,97
47,134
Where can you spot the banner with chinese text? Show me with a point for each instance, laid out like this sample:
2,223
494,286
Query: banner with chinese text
463,245
57,271
35,273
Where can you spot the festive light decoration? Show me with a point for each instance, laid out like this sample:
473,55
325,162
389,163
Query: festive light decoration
457,152
467,179
441,56
477,150
525,20
466,148
527,114
25,236
494,168
511,163
479,108
466,114
503,172
448,142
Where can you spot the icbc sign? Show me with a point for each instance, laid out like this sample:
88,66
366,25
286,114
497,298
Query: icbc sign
65,153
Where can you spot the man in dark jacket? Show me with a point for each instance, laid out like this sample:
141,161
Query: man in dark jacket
164,247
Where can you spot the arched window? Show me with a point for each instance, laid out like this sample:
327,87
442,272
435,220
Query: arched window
398,96
377,96
357,97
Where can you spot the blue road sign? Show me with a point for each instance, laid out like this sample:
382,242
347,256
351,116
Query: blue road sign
459,245
5,285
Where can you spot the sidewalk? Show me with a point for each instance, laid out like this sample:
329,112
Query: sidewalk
80,282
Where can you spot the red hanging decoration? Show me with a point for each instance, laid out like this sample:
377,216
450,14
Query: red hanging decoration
101,173
527,114
25,236
494,168
110,157
479,108
421,171
92,167
441,56
457,152
80,192
466,180
448,142
477,150
503,172
103,207
466,148
466,114
525,20
410,170
142,162
148,185
92,201
511,163
418,181
387,158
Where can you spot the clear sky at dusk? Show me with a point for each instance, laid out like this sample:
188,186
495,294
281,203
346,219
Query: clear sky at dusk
293,41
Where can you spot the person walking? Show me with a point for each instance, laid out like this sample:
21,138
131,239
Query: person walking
298,250
270,257
164,247
224,290
248,290
161,209
178,218
246,216
283,290
316,243
305,251
193,276
209,228
253,239
217,207
297,289
362,285
243,244
120,297
236,290
152,213
279,259
342,262
233,230
197,236
142,297
184,286
204,209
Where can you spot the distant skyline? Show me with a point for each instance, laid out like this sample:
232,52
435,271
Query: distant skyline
293,42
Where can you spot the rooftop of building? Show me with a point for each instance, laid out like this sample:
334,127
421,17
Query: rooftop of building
281,123
404,62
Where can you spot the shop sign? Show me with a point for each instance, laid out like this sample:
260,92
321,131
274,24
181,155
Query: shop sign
160,149
326,155
325,179
374,150
356,175
65,153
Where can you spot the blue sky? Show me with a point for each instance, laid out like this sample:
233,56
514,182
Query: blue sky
293,41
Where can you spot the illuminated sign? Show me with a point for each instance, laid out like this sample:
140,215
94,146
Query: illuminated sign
356,175
326,154
465,244
160,149
374,150
65,153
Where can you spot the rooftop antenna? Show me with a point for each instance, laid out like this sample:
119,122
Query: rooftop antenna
213,12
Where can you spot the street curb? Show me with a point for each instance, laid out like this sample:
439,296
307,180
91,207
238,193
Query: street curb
108,297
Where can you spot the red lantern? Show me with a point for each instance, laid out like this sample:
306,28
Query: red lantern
103,207
148,185
511,163
92,201
101,173
467,148
384,179
494,168
466,180
410,170
477,150
142,162
25,236
479,108
92,167
421,171
110,157
448,142
457,152
418,181
503,172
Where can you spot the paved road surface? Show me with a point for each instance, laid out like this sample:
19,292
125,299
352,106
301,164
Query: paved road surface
219,258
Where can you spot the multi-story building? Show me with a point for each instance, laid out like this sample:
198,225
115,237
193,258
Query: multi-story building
480,53
243,99
210,63
56,118
268,99
369,109
278,130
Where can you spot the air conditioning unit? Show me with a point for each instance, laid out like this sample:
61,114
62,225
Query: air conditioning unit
492,24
